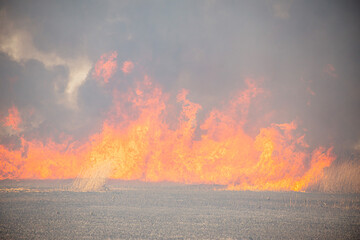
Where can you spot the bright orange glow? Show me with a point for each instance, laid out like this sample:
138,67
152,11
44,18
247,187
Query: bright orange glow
137,142
36,160
13,119
105,67
128,66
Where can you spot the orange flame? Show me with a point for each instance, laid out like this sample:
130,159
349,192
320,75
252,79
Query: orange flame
138,143
105,67
13,119
128,66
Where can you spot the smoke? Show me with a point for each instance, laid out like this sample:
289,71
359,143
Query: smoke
307,54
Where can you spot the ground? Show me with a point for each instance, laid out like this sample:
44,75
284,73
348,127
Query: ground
133,210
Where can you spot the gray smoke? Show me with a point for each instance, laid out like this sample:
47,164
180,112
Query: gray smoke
306,52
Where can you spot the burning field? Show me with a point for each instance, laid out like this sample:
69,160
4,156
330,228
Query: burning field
229,120
137,143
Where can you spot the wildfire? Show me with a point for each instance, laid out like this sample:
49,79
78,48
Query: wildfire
127,67
13,119
138,142
105,67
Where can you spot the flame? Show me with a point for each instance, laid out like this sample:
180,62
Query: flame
128,66
105,67
13,119
38,160
138,142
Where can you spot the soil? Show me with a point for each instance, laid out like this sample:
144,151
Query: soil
134,210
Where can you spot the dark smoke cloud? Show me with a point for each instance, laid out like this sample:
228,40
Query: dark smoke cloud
208,47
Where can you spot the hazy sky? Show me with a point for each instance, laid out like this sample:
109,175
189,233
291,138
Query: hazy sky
306,53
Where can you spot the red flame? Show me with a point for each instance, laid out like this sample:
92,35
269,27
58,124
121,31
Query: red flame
137,142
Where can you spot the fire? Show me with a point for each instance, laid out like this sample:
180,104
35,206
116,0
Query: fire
138,142
105,67
38,160
13,119
128,66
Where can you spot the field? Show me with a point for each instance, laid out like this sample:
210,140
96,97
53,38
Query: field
134,210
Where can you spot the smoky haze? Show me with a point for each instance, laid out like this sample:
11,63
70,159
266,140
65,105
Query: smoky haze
306,54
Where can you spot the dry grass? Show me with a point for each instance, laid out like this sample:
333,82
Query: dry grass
342,177
93,179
